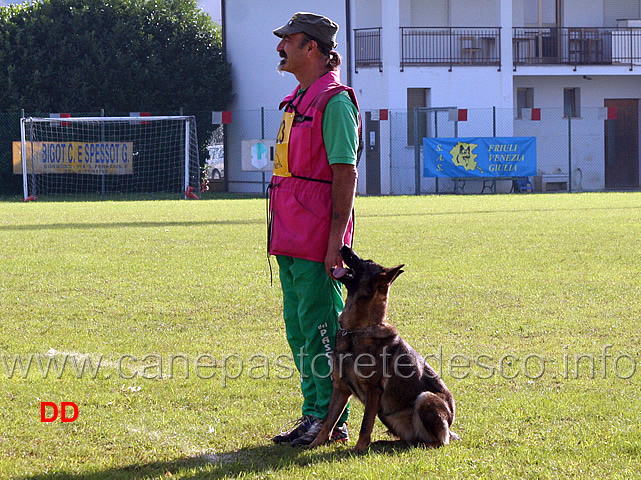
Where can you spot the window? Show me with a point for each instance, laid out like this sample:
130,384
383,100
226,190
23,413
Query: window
541,12
417,98
614,10
421,13
524,99
571,102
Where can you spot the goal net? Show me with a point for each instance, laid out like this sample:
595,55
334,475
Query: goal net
109,155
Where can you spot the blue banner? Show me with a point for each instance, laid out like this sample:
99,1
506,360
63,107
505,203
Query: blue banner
479,157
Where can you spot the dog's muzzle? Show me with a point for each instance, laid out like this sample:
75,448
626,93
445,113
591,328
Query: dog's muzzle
341,273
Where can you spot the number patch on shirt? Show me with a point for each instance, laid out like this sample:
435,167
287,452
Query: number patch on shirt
281,157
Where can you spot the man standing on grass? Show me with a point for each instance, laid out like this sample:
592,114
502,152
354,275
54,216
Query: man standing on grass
311,202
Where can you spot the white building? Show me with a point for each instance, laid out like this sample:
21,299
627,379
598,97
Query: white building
212,7
496,58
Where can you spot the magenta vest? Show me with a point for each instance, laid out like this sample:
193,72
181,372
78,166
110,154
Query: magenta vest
300,205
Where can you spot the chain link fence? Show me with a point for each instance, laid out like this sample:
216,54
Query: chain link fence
591,149
11,183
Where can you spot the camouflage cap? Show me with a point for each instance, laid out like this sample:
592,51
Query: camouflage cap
318,27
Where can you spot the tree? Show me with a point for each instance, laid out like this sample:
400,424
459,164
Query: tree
120,55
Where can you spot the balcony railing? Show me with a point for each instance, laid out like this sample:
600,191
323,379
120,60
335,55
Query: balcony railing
576,46
427,46
462,46
367,48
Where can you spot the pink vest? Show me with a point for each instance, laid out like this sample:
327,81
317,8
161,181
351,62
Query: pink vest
301,208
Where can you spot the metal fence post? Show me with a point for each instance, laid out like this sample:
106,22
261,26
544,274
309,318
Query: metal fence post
102,139
494,121
569,153
417,153
436,180
391,156
23,153
262,135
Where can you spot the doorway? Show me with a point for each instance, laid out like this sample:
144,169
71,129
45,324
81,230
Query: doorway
546,16
622,145
372,154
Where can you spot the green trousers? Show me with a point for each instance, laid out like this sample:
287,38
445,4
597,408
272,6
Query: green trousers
312,302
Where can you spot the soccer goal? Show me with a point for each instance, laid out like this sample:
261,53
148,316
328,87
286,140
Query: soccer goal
109,155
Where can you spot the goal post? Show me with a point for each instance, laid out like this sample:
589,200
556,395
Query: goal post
109,155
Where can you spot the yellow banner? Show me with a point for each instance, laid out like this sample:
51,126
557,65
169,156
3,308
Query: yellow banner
96,158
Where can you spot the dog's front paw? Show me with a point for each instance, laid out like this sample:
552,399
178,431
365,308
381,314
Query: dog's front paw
360,447
318,441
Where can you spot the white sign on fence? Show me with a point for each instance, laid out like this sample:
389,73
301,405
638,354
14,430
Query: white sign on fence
258,155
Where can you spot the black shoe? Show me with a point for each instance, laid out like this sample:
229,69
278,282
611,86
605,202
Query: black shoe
298,429
309,436
339,434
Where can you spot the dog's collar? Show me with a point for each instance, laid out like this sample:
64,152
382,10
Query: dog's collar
345,332
371,330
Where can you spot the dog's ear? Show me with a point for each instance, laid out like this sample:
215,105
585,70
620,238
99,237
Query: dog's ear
390,274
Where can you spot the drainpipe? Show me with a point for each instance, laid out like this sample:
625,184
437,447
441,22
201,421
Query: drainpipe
348,42
223,14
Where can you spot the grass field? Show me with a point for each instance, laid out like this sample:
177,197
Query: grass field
529,305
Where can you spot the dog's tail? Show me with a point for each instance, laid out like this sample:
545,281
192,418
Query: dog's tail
432,419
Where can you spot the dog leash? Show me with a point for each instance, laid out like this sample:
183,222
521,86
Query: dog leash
269,230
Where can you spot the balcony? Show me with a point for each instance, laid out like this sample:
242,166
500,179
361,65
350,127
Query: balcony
367,47
462,46
576,46
450,46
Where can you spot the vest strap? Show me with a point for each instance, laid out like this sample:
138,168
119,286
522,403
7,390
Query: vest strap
319,180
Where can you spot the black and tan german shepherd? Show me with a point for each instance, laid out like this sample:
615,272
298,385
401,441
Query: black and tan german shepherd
374,363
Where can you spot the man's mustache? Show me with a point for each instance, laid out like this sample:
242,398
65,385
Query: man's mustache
281,64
